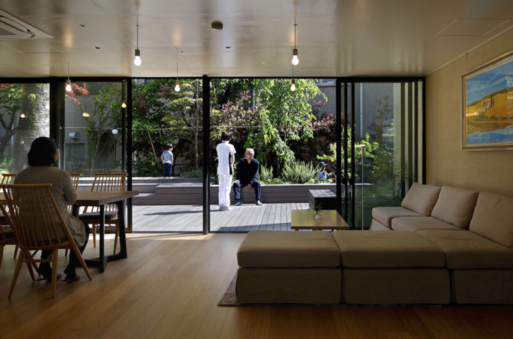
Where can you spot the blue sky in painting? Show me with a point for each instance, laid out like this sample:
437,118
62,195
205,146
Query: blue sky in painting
489,82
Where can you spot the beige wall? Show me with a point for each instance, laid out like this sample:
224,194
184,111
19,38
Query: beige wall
446,163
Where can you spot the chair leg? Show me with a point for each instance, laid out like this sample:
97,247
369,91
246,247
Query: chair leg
116,236
16,272
74,248
66,252
1,254
55,263
94,235
30,265
15,251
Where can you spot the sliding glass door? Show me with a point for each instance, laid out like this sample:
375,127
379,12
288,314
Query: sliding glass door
381,145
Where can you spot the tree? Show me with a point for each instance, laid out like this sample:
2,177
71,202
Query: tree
104,114
284,116
10,104
184,113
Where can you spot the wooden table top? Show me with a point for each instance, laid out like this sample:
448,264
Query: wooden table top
96,198
329,219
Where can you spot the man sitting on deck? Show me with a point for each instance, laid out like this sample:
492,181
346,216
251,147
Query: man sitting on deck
247,173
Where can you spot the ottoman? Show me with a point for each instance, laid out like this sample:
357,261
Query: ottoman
288,267
399,267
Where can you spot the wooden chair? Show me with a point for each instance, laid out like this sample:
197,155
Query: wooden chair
75,178
38,225
8,179
8,237
105,182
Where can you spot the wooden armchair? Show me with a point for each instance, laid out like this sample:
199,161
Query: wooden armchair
105,182
8,237
38,225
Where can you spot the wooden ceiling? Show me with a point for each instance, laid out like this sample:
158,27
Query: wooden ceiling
334,37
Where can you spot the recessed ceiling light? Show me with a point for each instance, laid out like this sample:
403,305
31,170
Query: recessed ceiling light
263,63
97,47
228,47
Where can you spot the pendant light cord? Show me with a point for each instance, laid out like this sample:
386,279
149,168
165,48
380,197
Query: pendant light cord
137,36
295,36
68,70
177,71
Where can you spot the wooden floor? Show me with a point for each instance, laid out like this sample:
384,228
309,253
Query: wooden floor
189,218
170,285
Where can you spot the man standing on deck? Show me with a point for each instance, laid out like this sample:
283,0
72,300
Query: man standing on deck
226,158
247,175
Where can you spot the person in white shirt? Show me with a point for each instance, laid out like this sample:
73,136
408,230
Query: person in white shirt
167,161
226,158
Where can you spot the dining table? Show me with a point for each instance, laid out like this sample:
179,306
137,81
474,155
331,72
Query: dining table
100,199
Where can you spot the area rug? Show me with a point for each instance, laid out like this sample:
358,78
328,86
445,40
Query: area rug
230,297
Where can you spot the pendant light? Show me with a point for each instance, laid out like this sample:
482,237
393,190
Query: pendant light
68,82
295,59
123,105
137,60
293,84
23,116
177,85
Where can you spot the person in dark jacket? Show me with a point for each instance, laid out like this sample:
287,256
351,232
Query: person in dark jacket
247,176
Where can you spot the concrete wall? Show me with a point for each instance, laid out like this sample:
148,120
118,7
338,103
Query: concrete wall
446,163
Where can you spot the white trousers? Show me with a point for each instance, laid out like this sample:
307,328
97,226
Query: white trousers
225,185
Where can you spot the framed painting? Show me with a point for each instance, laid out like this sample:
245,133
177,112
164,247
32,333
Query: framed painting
487,106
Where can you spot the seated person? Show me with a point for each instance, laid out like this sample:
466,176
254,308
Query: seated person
323,175
247,173
42,161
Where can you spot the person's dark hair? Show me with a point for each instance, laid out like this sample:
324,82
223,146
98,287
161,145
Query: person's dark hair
42,152
168,146
226,136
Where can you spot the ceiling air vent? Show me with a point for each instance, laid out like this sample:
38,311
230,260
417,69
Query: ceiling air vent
12,28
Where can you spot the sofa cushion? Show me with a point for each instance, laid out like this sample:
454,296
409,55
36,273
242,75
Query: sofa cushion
493,218
455,206
467,250
421,198
361,249
288,249
385,214
423,223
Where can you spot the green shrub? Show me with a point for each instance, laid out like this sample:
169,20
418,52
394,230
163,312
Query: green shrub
276,181
194,174
298,172
266,174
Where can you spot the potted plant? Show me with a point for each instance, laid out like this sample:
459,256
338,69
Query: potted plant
317,211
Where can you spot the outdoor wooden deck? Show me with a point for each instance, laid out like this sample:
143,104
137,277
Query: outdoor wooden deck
189,218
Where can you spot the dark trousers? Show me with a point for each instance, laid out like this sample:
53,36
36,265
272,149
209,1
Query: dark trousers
45,269
168,168
237,186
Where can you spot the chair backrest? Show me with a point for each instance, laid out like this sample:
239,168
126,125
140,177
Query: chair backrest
6,231
75,177
35,217
8,179
108,182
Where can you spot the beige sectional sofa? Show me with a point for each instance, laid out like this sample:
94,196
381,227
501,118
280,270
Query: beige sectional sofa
443,245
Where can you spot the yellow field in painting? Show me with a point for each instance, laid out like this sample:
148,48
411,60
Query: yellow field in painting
491,113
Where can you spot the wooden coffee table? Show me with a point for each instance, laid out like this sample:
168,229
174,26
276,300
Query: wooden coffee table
329,220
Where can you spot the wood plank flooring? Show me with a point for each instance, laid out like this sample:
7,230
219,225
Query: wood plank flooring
170,285
189,218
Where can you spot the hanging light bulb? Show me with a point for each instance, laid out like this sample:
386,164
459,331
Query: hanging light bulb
22,115
85,115
22,141
137,60
295,59
123,105
68,82
177,84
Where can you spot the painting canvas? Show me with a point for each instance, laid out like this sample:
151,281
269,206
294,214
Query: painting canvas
488,106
